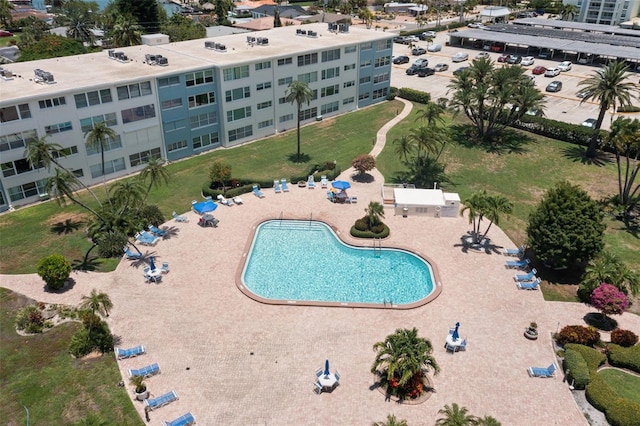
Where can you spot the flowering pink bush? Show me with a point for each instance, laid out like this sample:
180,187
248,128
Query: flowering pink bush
609,300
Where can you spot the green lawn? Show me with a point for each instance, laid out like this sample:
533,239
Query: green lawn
37,372
626,385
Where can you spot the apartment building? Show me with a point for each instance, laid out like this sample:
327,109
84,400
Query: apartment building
605,12
175,100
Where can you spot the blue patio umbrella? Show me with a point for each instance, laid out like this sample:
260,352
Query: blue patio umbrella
341,184
326,368
204,206
152,265
455,336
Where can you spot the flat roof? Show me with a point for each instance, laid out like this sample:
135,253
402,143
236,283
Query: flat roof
418,197
74,74
556,23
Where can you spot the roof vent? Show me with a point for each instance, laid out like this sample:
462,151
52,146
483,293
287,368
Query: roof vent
301,32
118,56
312,34
343,28
218,47
333,27
6,74
43,76
156,60
263,41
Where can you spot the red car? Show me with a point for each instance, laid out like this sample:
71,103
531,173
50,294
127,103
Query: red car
539,70
5,33
503,58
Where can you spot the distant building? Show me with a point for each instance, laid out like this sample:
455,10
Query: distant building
605,12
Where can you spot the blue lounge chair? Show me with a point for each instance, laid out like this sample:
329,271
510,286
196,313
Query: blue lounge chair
526,277
276,186
146,371
311,182
184,420
283,183
529,285
514,252
517,263
129,353
542,372
161,401
324,182
165,267
257,192
179,218
146,239
157,231
132,255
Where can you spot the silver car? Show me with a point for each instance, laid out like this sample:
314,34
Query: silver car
460,57
552,72
434,48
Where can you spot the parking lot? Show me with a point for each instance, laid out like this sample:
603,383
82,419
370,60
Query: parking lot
563,105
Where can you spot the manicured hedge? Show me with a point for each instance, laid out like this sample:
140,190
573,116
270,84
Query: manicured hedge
579,334
623,412
368,234
578,368
625,357
572,133
600,394
414,95
593,357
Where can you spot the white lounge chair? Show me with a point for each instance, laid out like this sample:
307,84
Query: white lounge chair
311,182
179,218
225,201
276,186
324,182
237,200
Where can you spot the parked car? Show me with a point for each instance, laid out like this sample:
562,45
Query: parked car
425,35
477,43
478,25
425,72
514,59
538,70
544,54
590,122
552,72
434,48
582,93
5,33
401,60
417,51
503,58
459,70
483,55
421,62
498,47
564,66
413,69
441,67
411,39
527,60
460,57
554,86
400,39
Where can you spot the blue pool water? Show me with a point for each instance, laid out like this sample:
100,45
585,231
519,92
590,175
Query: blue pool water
305,261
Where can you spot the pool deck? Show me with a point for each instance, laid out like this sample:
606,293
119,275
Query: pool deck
235,361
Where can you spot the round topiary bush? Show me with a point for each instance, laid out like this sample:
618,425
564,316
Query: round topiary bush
54,270
624,338
579,334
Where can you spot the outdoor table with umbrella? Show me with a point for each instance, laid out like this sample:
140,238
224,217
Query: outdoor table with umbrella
153,273
328,380
453,339
204,207
340,187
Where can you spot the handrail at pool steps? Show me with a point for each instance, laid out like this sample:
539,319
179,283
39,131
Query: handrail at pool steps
297,224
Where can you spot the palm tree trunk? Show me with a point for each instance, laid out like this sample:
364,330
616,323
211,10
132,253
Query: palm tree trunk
104,181
593,142
95,197
299,109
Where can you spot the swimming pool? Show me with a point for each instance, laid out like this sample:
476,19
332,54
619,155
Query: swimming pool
304,262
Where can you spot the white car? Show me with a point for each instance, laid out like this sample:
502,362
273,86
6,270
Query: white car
564,66
460,57
477,25
434,48
483,55
527,60
412,39
552,72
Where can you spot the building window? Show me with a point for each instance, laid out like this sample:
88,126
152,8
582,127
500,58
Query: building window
171,103
366,46
348,100
202,99
17,167
285,81
144,157
309,77
17,140
350,67
263,65
282,101
202,120
364,96
109,167
263,86
15,113
86,124
331,55
266,123
329,91
239,93
65,152
365,80
197,78
168,81
239,114
384,44
236,73
58,128
135,90
330,73
265,105
350,49
53,102
27,190
365,63
308,59
176,146
285,61
172,126
138,113
381,77
240,133
285,118
380,93
349,83
381,62
205,140
108,145
97,97
308,113
327,108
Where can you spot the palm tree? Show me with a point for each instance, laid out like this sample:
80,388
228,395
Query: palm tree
608,268
374,212
155,173
404,147
432,114
126,192
78,26
63,184
5,12
481,205
403,355
99,302
488,421
455,416
300,93
366,15
625,140
608,87
430,140
568,11
391,421
125,32
97,138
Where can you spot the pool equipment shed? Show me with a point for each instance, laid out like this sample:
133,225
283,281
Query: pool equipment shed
425,202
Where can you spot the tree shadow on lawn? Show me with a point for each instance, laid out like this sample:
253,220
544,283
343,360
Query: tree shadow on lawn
66,227
485,246
92,263
304,158
362,178
577,153
506,141
600,321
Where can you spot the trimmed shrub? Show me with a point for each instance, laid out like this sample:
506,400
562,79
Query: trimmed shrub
361,225
80,344
578,368
623,412
593,357
599,393
579,334
369,234
414,95
624,338
625,357
54,270
151,214
629,108
29,320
